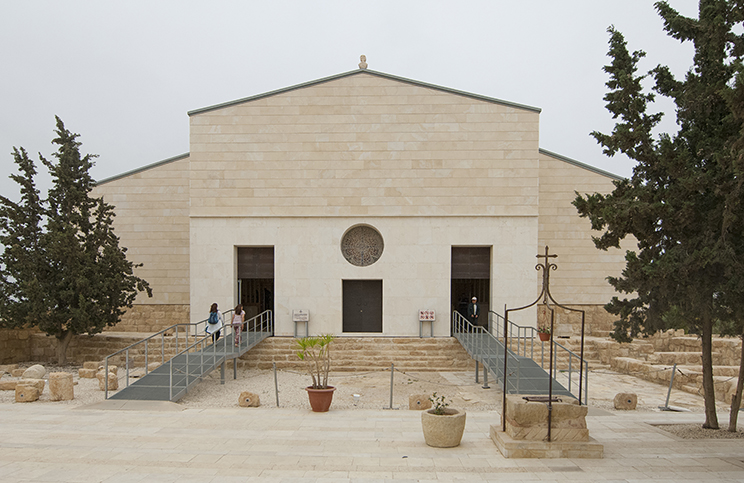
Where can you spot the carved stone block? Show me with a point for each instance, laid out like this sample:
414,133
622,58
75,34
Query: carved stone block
626,400
26,393
111,368
113,381
8,385
249,400
419,402
61,386
38,383
87,373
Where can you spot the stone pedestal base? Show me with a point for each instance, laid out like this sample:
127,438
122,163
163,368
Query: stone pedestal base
512,448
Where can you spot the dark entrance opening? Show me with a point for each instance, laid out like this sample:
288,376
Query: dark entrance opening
256,279
362,300
471,277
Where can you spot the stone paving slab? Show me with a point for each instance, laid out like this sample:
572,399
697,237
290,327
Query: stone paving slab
61,444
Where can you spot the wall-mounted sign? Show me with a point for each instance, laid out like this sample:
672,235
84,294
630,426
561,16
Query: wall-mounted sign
426,316
301,315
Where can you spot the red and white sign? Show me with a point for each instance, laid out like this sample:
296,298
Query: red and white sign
427,316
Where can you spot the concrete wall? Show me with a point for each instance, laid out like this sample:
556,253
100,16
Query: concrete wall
309,266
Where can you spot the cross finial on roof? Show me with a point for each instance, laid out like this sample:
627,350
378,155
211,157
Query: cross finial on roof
363,63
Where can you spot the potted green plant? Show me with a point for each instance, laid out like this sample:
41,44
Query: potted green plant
443,427
315,352
543,331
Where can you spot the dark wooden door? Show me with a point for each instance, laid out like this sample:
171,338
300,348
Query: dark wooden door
362,301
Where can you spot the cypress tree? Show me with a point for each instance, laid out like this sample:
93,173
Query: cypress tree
683,203
82,280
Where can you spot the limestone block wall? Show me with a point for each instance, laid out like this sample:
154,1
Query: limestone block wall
415,266
598,322
152,222
14,345
149,318
364,145
582,269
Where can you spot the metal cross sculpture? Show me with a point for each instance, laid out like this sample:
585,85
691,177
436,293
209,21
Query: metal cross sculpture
546,266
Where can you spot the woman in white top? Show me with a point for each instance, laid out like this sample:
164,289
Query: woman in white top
214,323
237,323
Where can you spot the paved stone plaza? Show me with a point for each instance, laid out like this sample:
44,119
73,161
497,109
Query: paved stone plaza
143,441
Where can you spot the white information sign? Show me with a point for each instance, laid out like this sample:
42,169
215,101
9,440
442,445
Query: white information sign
301,315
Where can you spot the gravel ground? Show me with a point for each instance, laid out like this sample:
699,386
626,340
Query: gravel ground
373,389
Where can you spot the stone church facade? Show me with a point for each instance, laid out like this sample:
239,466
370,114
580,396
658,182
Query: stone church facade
361,198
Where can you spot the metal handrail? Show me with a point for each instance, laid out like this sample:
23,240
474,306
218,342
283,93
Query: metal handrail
262,322
522,341
483,347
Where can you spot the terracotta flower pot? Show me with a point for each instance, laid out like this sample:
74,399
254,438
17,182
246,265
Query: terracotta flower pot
544,336
443,431
320,399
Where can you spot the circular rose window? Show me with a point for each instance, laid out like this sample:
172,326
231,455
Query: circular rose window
362,246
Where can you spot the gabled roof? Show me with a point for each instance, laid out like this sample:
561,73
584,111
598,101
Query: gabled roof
580,164
143,168
370,72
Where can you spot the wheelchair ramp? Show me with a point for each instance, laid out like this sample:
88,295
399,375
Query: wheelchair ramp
524,375
172,380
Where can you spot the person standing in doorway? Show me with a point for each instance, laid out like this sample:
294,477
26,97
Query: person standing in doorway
214,323
237,323
473,311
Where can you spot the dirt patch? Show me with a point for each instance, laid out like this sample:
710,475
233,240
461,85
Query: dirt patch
696,431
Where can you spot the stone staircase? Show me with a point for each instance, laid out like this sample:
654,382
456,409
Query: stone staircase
653,358
358,354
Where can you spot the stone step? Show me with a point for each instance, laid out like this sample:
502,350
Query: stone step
681,358
361,354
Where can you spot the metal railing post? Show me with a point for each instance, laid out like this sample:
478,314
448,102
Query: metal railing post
569,373
392,374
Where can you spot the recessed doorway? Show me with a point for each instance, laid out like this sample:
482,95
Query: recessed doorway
362,301
471,277
256,279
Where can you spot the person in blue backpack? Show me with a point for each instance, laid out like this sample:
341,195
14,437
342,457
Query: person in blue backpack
214,323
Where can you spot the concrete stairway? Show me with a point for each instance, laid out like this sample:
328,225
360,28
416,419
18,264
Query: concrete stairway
367,354
591,352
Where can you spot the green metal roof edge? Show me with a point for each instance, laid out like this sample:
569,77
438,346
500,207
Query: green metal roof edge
143,168
580,164
371,72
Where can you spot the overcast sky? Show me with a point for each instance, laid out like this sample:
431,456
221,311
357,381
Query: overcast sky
124,74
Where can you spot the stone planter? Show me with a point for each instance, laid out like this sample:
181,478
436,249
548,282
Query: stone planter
443,431
320,399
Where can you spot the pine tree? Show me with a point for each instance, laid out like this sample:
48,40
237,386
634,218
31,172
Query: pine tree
82,280
683,203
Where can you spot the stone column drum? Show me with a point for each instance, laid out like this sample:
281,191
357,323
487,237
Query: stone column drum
61,386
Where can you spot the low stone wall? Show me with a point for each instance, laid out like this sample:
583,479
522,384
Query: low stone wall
15,345
27,345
